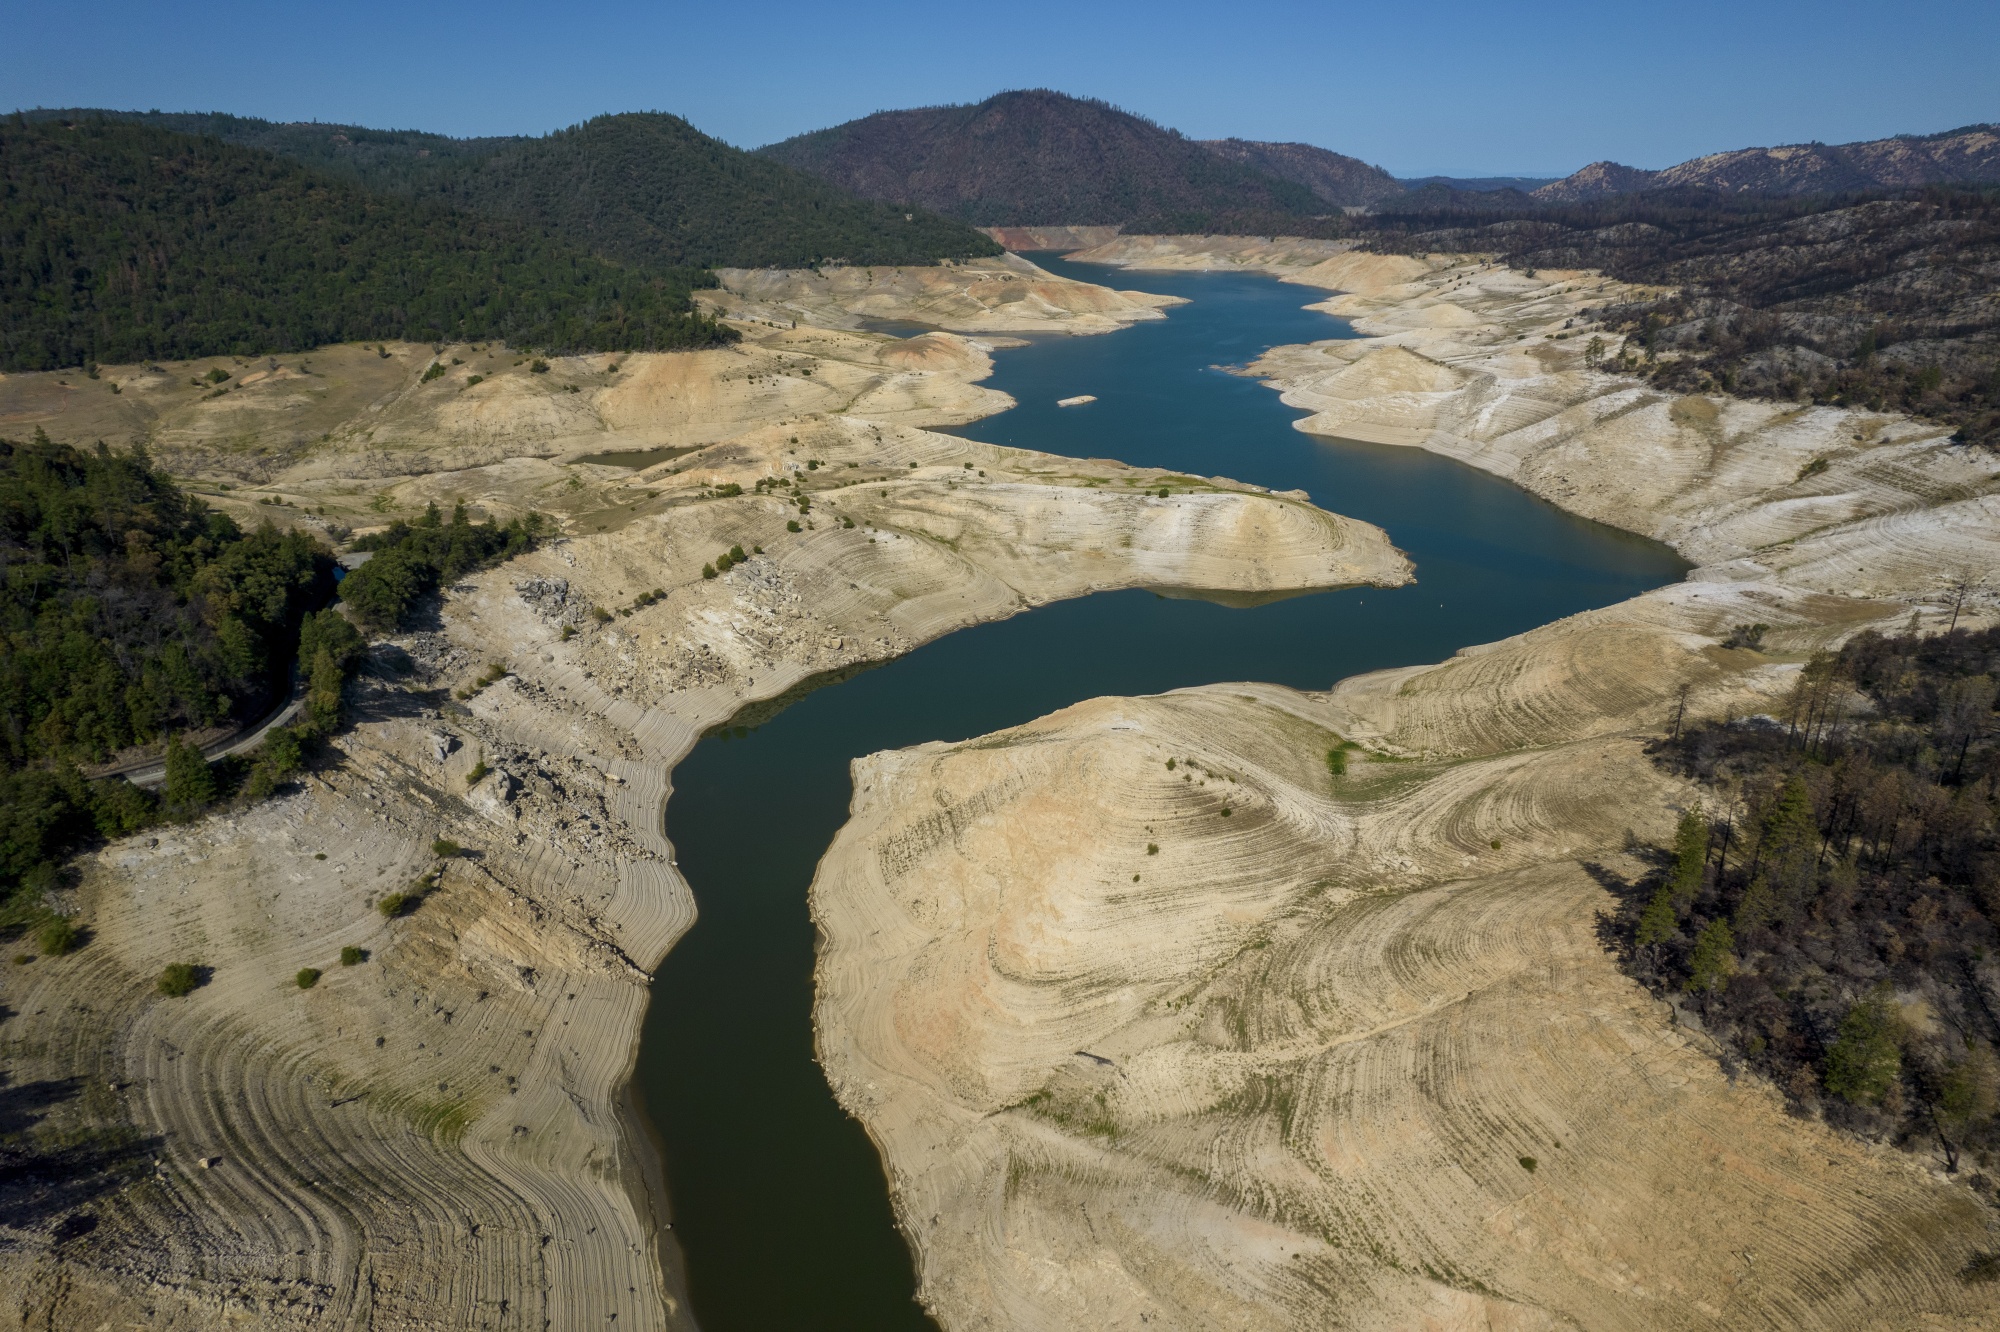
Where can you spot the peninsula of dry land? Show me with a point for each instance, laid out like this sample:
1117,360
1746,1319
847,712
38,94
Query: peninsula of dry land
1245,1006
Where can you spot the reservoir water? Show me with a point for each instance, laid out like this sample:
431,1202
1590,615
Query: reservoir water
779,1199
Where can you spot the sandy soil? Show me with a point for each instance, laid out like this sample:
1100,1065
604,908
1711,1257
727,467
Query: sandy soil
434,1137
1352,1053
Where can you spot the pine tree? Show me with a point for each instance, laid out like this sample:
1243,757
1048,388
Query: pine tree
1690,859
1865,1061
1660,921
1714,957
190,786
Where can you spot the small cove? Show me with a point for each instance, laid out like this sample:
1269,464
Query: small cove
779,1199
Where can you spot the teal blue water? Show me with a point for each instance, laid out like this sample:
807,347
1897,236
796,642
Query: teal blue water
778,1197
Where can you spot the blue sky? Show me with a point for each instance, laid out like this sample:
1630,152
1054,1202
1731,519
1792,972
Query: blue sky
1449,87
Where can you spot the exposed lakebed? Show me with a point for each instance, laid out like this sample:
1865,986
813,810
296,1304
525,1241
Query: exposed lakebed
779,1199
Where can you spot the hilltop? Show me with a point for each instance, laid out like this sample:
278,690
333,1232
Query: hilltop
643,188
1036,158
1906,161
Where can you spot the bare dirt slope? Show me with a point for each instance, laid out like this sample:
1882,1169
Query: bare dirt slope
1351,1054
433,1137
1004,295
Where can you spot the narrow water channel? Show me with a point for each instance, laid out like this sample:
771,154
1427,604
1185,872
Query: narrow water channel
779,1198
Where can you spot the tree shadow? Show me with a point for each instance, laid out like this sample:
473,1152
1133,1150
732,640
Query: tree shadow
50,1173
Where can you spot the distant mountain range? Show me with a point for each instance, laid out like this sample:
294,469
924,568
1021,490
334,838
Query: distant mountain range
1955,157
1042,158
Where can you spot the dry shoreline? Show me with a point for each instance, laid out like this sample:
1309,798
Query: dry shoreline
1315,1031
444,1136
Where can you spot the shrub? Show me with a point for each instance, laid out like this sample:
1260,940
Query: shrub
58,936
1746,636
568,632
180,978
351,956
1336,762
393,905
307,977
475,379
601,615
708,571
444,848
793,526
1528,1163
436,370
478,773
1152,848
538,366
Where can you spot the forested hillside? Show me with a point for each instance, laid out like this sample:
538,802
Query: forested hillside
1036,158
122,242
1336,180
128,613
650,188
642,189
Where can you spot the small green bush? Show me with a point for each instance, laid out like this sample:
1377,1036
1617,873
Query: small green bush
58,936
307,977
1528,1163
1152,848
436,370
478,773
393,905
538,366
180,978
708,571
444,848
351,956
601,615
793,526
475,379
1336,762
568,632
